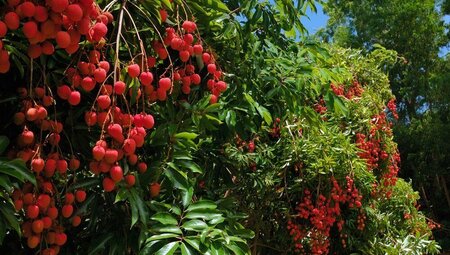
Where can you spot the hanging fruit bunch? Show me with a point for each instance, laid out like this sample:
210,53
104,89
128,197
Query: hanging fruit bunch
113,83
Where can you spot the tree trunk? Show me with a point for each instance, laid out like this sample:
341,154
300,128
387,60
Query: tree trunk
447,195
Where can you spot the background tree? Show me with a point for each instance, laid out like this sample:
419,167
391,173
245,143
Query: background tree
416,31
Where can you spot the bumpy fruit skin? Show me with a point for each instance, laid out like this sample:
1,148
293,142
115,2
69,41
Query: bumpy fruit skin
155,189
32,211
108,184
134,70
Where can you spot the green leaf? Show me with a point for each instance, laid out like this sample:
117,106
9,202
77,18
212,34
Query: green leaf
2,230
194,225
205,214
202,204
5,182
9,216
186,196
190,165
165,218
185,250
98,244
168,249
186,135
215,5
161,236
167,229
4,142
340,107
178,178
141,206
121,195
17,169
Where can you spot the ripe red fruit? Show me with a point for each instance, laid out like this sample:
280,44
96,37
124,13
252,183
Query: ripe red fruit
108,184
130,180
142,167
40,13
104,65
47,222
90,118
69,199
134,70
33,241
116,173
198,49
37,226
98,152
12,20
37,165
76,221
67,211
63,92
27,137
195,78
28,198
28,9
146,78
50,167
31,114
63,39
155,189
19,118
61,166
74,12
211,68
80,195
3,29
206,57
99,75
74,98
59,5
165,84
119,87
221,86
148,121
30,29
52,212
111,156
60,239
213,99
115,130
163,14
88,84
74,164
184,55
99,31
32,211
18,204
189,26
129,146
103,101
43,201
188,39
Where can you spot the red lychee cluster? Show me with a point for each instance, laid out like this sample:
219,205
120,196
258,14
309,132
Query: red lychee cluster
320,107
38,146
392,107
185,49
315,217
60,23
355,89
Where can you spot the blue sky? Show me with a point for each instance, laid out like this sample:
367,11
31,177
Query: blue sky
315,21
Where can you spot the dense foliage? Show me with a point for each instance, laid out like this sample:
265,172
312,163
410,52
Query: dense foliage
417,32
200,127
